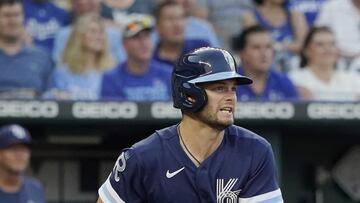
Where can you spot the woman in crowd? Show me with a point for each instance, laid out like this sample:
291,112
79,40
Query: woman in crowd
84,60
319,79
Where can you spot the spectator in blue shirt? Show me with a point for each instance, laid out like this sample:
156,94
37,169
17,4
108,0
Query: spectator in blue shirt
310,8
24,68
43,19
256,54
195,27
139,78
15,187
171,24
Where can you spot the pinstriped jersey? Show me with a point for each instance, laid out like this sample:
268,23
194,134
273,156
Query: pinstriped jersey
157,169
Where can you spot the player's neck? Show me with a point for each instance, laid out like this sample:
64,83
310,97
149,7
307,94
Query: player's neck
199,139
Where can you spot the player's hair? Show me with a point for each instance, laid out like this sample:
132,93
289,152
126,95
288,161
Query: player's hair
10,2
240,41
73,55
308,39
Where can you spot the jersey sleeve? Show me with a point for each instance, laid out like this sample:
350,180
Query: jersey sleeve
124,183
262,184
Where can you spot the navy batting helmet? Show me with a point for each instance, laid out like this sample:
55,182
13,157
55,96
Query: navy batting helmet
200,66
13,134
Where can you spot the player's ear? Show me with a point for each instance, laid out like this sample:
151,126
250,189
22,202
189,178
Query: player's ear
191,99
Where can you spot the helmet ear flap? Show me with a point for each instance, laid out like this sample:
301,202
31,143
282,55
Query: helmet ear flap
191,97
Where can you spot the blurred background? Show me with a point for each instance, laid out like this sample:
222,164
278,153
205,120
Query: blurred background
88,78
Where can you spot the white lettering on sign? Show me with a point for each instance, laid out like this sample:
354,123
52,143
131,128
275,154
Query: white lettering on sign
164,110
333,111
111,110
29,109
266,110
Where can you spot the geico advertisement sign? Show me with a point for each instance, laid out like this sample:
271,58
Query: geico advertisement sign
29,109
266,110
249,110
333,111
164,110
110,110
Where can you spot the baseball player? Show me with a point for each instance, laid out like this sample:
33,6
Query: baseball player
15,152
204,158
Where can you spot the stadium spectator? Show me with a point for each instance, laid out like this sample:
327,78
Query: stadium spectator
85,58
343,18
224,15
256,54
15,153
288,28
24,68
355,66
43,20
79,8
310,8
196,28
319,79
120,9
139,78
170,24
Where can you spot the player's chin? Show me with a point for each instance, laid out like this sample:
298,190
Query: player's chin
226,122
228,118
17,169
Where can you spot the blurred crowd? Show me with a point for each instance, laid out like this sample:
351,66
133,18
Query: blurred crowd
125,50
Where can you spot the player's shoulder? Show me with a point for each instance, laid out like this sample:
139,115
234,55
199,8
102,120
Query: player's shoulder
32,184
154,142
244,136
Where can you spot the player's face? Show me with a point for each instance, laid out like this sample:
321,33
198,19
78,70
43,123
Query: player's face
322,50
11,21
258,52
219,110
15,158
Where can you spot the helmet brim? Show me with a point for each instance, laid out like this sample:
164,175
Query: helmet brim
240,79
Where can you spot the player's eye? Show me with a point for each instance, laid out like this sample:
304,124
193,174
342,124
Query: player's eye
220,89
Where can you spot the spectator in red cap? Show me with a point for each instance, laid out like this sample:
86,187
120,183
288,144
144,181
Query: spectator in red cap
15,187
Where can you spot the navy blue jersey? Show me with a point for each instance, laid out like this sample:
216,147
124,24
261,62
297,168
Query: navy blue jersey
31,191
157,169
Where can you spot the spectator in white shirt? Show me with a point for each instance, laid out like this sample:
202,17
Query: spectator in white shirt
319,79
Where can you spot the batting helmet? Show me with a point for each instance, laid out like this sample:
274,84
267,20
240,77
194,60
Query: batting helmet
13,134
200,66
